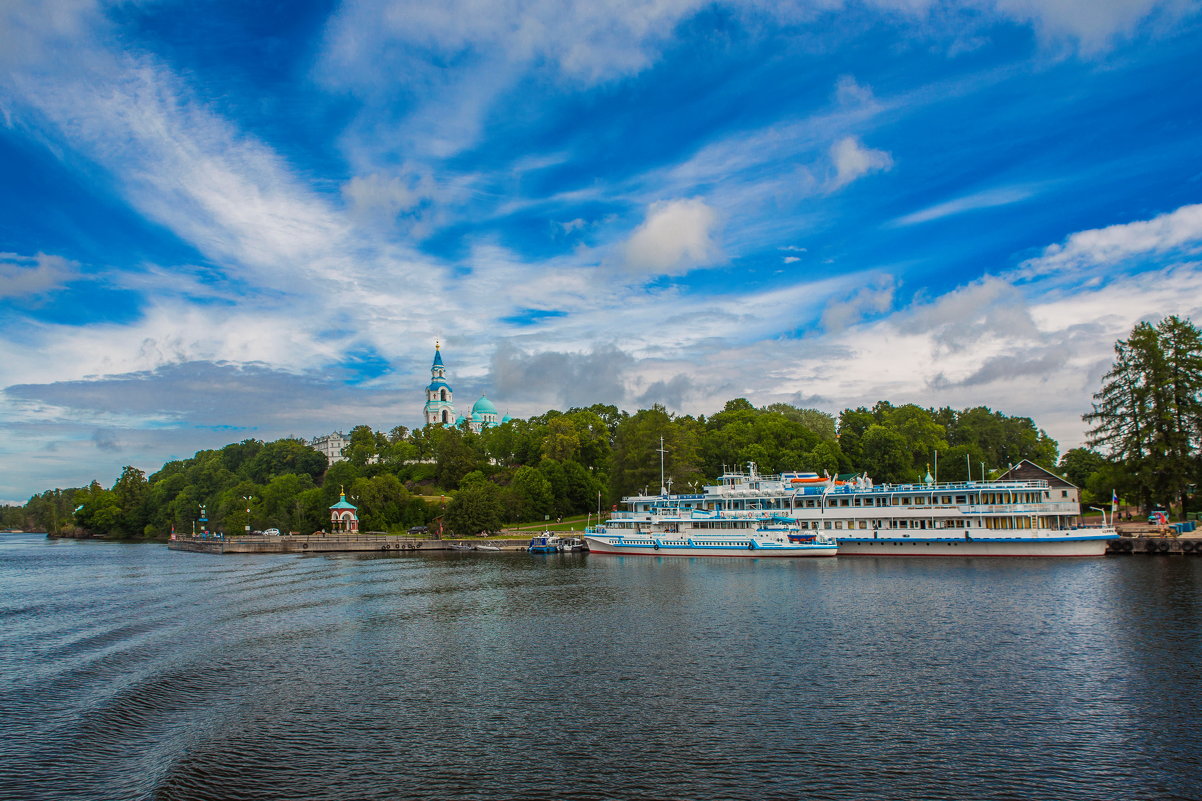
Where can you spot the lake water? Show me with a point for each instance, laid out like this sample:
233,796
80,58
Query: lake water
132,672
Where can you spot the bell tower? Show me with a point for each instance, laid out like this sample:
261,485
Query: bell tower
439,409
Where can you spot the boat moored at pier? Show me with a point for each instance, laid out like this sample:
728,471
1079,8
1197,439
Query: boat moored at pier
669,530
1007,517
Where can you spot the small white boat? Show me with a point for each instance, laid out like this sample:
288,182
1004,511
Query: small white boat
484,546
572,545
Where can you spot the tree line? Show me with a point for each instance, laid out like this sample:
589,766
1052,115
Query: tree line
556,464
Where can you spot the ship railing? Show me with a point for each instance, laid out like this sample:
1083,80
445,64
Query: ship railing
736,491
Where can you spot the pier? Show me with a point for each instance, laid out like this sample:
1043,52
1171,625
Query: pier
1155,546
330,543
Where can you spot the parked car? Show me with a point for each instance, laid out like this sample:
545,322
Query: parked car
272,532
418,530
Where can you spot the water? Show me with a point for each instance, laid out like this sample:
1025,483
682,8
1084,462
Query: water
132,672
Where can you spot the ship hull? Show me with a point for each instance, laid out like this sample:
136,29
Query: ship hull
985,546
760,551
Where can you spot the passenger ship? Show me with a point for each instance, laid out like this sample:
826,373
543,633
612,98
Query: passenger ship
1008,517
670,529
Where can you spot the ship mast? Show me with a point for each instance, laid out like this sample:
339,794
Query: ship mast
662,489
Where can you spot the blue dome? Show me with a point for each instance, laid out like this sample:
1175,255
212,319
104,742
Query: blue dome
477,417
438,383
483,406
506,419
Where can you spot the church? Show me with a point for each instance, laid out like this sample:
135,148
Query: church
440,406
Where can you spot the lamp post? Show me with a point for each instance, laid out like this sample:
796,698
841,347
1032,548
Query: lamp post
248,499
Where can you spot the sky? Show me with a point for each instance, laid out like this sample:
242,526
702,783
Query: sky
232,220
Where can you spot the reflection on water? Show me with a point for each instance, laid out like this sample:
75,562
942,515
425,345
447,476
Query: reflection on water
127,671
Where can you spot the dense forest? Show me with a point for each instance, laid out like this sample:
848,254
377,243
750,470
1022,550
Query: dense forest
1146,422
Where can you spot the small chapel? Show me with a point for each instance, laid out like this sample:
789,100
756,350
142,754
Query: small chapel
440,405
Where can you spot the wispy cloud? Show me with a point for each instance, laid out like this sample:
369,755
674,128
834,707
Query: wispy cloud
989,198
27,277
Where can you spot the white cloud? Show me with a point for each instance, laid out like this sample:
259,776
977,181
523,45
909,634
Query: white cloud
988,310
852,160
1093,24
848,92
986,199
21,276
676,236
586,41
875,298
1102,246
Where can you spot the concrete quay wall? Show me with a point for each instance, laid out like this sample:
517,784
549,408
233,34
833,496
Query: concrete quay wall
332,543
1156,546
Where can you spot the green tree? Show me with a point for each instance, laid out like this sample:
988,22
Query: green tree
383,503
636,458
530,494
1147,414
887,456
815,420
1078,464
131,493
284,456
475,509
561,442
279,508
99,512
454,455
366,446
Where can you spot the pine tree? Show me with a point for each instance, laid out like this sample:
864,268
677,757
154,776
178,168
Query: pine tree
1147,415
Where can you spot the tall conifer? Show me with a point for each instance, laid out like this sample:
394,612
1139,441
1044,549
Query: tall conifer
1147,414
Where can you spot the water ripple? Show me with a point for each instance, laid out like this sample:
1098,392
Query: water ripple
131,672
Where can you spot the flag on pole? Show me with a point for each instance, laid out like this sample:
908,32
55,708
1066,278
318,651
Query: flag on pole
1114,502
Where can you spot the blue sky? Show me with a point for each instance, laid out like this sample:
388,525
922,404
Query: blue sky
227,220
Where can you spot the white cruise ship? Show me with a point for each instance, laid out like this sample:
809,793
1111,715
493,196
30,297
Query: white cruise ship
1007,517
666,529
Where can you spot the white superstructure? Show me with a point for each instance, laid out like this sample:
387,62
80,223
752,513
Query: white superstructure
1019,517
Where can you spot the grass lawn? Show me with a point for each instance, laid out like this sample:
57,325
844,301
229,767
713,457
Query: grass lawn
577,523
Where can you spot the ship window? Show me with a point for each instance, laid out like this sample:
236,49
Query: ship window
863,524
839,524
961,499
905,501
826,524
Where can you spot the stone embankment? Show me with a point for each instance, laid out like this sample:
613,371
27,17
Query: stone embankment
328,543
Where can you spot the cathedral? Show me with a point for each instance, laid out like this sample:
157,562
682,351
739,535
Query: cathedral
440,408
